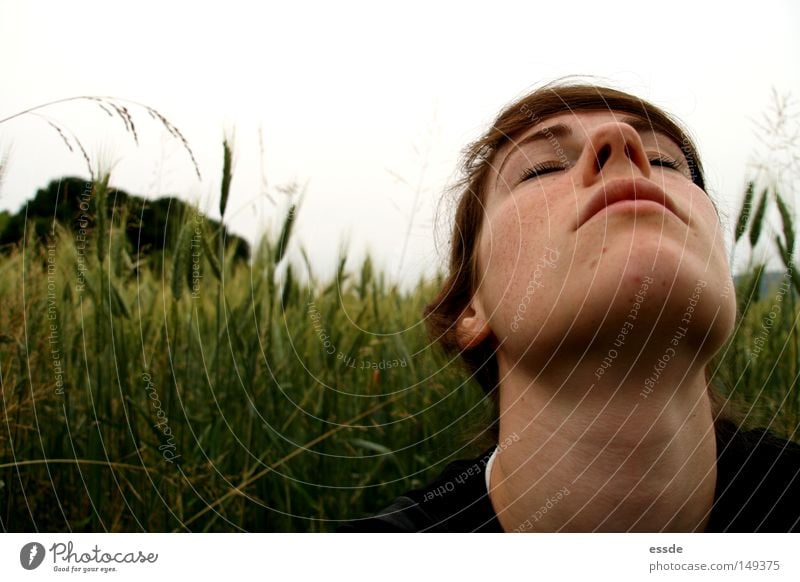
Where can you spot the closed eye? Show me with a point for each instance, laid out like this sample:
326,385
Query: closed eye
541,169
663,161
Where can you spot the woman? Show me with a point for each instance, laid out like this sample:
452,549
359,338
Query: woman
588,291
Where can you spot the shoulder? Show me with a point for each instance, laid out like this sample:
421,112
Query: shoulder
758,481
455,502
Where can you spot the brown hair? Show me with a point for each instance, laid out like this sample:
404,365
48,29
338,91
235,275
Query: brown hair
443,313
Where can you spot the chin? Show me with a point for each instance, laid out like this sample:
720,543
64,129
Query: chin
665,287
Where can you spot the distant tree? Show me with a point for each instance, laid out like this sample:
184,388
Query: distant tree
5,218
151,225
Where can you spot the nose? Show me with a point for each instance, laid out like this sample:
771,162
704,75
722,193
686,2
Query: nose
614,149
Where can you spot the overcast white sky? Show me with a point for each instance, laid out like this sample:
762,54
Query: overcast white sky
350,95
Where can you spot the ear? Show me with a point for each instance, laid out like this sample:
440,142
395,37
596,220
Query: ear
472,327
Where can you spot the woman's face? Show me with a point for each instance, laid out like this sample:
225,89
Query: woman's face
587,214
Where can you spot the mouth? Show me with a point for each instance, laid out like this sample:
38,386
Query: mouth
626,190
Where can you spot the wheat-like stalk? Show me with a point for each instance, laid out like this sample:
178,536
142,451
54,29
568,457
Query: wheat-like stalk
113,107
758,219
227,176
788,225
182,260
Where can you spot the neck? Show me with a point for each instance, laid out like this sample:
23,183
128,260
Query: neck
615,452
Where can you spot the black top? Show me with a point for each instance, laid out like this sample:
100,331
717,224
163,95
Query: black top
758,490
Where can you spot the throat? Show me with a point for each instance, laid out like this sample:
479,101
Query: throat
616,467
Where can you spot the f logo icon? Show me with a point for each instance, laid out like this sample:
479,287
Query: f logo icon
31,555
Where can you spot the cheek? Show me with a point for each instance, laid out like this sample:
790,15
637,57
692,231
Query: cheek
518,224
509,237
706,231
711,244
517,261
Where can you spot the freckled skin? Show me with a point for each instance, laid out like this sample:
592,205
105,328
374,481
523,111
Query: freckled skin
633,460
588,287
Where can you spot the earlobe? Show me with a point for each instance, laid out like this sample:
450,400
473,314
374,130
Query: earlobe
472,329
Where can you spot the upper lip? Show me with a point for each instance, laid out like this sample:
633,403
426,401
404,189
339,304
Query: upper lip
626,189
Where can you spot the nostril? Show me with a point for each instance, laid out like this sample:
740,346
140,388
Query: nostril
602,156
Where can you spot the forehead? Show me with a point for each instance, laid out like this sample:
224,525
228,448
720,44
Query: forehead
582,122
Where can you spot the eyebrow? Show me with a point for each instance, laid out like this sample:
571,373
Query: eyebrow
561,130
544,134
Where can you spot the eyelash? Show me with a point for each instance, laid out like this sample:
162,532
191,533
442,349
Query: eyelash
667,162
537,170
540,169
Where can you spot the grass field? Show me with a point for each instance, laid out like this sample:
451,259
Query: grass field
212,395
